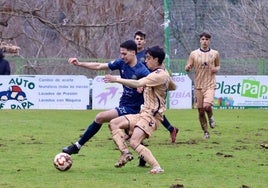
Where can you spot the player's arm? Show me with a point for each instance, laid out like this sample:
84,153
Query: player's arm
217,67
172,85
190,63
127,82
88,65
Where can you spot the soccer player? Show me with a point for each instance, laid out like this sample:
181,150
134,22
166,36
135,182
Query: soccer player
131,99
142,125
206,63
139,38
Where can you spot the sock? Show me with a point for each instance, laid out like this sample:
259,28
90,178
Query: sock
147,155
92,129
78,145
167,125
119,139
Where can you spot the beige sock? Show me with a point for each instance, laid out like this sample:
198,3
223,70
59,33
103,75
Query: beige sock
119,139
147,156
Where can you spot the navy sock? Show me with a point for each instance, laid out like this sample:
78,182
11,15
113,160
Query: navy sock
92,129
167,125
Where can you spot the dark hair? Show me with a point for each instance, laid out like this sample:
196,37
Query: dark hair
140,33
204,34
156,52
129,45
1,54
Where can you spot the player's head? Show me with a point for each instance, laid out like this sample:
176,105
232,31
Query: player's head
140,34
139,38
128,50
205,34
154,57
129,45
205,40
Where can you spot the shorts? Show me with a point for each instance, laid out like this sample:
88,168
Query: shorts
144,121
202,96
127,110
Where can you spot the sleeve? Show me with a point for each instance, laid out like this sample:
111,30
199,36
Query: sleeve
155,78
115,64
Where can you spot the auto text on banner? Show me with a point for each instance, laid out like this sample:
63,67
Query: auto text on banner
44,92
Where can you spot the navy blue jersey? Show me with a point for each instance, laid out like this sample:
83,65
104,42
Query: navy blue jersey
141,56
130,97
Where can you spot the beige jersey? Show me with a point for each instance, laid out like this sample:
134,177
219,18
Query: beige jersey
157,84
202,61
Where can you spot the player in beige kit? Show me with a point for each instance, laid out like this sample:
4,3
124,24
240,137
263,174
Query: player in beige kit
142,125
206,63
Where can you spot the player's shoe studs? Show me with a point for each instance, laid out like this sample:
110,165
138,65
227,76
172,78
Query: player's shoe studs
72,149
173,134
212,123
156,170
124,158
206,135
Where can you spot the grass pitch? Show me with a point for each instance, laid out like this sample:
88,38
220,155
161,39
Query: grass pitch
231,158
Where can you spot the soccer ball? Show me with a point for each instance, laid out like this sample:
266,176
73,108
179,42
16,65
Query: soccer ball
63,161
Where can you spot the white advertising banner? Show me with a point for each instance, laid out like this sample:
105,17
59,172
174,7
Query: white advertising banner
44,92
181,98
240,92
107,95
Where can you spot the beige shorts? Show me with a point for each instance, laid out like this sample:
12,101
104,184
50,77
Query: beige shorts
202,96
144,121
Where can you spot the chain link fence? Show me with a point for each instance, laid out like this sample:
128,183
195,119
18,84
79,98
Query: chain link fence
60,66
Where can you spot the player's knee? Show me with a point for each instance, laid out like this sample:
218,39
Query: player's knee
99,118
207,107
112,125
133,143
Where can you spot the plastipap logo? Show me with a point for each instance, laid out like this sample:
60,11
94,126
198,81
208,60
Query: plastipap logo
253,89
249,88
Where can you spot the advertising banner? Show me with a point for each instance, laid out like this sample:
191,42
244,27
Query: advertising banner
107,95
241,92
181,98
44,92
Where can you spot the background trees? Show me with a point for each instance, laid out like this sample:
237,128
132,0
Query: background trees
94,28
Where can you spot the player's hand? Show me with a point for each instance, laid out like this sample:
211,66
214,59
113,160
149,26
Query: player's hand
214,69
109,78
187,68
140,89
73,61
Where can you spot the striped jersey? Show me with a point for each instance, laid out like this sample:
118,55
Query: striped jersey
155,92
202,61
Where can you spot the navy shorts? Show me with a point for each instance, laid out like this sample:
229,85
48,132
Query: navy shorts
127,110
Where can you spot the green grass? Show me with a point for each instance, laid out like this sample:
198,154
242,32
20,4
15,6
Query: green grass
231,158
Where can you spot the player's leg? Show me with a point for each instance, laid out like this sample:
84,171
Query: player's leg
119,137
92,129
198,94
135,142
208,103
172,130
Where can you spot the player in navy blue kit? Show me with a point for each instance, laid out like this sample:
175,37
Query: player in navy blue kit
131,99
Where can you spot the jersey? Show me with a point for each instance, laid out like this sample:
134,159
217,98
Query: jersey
155,92
130,97
202,61
141,56
4,67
